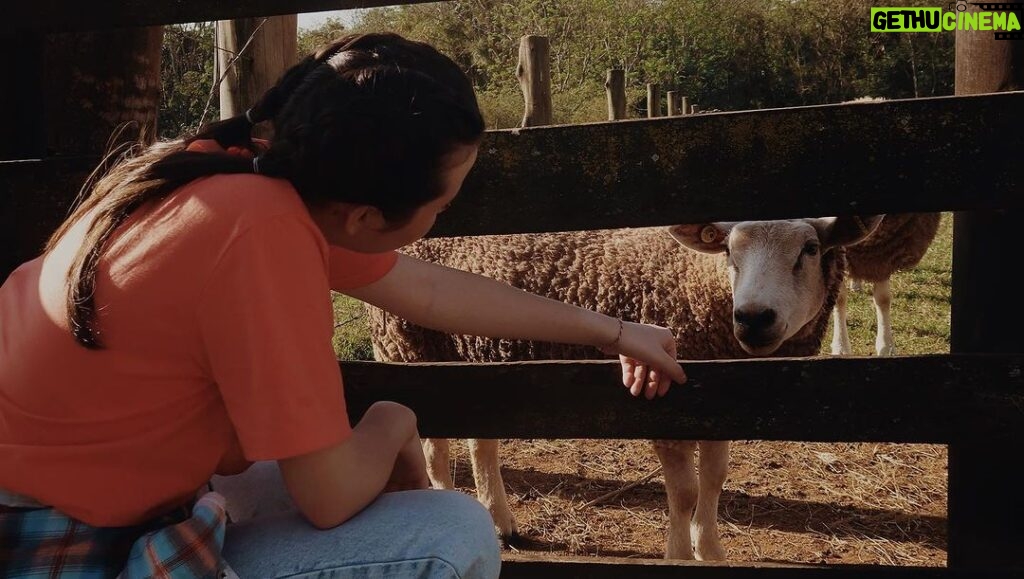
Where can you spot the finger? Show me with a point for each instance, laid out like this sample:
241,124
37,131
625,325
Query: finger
651,390
639,372
627,371
669,367
674,369
653,377
664,385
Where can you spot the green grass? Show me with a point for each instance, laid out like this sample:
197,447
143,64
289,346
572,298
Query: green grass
920,310
351,334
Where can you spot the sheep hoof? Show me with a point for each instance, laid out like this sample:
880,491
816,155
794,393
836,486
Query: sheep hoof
841,350
512,540
710,552
886,351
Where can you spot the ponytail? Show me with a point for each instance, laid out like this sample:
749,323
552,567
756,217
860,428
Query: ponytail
344,119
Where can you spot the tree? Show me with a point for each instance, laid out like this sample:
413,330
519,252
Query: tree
186,71
725,54
310,39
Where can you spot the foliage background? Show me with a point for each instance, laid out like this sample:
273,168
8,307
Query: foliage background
723,54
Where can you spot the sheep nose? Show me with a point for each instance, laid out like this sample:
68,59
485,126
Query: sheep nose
755,319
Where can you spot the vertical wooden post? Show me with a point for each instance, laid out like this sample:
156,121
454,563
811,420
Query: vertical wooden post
684,106
673,103
653,100
985,503
78,90
96,81
694,109
272,50
615,86
534,73
22,135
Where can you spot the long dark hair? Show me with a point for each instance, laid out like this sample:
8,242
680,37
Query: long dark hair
367,119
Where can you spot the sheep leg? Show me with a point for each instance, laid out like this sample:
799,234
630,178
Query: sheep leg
714,466
681,486
435,450
884,343
840,333
490,488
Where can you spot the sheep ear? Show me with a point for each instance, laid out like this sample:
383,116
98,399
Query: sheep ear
702,237
845,230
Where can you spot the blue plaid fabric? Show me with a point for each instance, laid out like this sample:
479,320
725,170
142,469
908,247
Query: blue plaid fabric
42,543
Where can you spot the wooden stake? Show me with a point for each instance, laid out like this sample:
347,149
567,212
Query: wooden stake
615,86
534,73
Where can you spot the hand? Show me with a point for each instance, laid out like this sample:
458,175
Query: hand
648,357
410,470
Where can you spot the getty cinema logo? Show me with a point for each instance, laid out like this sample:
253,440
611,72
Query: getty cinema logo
1001,18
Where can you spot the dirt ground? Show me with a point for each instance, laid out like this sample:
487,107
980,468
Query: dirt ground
784,501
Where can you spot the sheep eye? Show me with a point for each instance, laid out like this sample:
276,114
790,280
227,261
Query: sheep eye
810,248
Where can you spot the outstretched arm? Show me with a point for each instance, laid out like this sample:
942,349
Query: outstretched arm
459,302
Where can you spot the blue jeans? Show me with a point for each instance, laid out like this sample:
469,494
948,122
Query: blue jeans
428,534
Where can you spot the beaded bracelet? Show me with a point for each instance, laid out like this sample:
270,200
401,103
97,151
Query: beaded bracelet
617,337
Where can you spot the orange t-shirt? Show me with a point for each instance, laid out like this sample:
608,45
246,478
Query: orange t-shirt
214,310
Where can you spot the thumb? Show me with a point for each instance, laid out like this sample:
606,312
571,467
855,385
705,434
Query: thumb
672,367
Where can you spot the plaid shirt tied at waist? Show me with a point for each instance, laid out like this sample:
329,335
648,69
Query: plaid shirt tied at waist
42,543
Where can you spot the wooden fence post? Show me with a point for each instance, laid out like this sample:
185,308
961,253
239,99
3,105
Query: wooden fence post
653,100
673,103
79,91
694,109
23,135
615,86
272,50
985,503
94,82
684,106
534,72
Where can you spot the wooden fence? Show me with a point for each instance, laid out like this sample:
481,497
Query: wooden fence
950,154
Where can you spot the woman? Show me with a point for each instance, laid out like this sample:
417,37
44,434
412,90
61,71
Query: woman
178,325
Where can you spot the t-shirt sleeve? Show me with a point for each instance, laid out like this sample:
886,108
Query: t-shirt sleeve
266,322
351,270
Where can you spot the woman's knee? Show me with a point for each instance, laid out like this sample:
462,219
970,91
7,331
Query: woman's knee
471,544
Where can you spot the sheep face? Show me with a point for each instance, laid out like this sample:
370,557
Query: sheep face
775,271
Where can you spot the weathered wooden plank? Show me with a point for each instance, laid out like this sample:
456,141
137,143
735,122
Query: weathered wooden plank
946,153
532,567
984,520
24,135
34,198
59,15
932,399
768,164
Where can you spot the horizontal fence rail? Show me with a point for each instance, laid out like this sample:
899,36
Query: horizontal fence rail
934,154
61,16
931,399
34,198
948,153
533,567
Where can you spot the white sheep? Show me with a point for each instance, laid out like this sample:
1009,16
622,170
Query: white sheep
899,243
748,289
